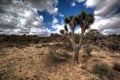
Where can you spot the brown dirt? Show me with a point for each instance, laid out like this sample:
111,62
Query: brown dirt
31,63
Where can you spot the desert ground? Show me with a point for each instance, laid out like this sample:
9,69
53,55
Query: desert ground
34,62
59,39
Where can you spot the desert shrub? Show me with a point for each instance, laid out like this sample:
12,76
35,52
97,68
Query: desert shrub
103,71
66,55
2,54
87,50
83,67
67,44
77,38
116,66
93,78
57,57
113,46
36,41
92,35
42,45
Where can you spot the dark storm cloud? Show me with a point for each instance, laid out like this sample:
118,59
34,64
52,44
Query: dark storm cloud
5,2
2,10
107,7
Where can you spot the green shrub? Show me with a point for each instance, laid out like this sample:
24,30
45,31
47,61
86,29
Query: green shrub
66,56
113,46
103,71
57,57
2,54
36,41
87,49
84,67
116,66
67,44
93,78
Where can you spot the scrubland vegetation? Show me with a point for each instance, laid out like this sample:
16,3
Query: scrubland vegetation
46,58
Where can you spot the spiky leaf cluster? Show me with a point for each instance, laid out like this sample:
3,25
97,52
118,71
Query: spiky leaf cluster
62,31
83,19
65,27
71,21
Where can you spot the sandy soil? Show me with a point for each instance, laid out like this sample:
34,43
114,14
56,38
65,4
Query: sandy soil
31,63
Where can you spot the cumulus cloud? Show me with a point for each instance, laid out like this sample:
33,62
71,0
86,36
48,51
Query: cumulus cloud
73,4
80,1
57,26
55,21
49,5
41,31
21,17
103,8
61,15
107,15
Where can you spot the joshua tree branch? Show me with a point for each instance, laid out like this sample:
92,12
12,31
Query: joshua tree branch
81,39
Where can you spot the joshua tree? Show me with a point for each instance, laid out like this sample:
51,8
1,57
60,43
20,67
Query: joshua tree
84,20
62,31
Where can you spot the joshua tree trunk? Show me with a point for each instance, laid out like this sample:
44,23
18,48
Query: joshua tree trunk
76,54
77,48
81,39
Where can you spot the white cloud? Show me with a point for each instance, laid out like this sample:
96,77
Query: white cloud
103,8
49,5
56,26
73,4
55,21
40,31
80,1
111,31
53,11
78,30
107,20
61,15
18,18
92,3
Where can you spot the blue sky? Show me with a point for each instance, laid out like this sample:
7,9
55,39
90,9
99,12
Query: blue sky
43,17
66,9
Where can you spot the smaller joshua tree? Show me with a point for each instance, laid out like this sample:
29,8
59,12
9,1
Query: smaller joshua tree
62,31
84,20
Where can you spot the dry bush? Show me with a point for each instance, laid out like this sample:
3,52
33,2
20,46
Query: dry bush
53,56
93,78
42,45
103,71
2,54
67,44
116,66
113,46
87,50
